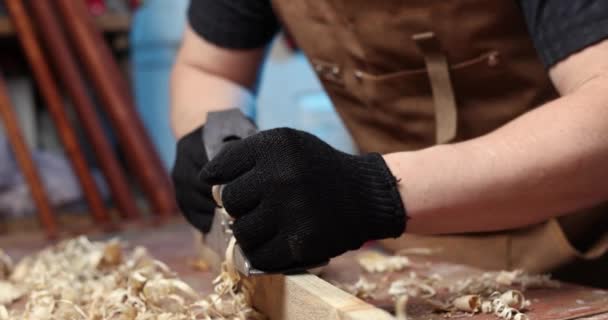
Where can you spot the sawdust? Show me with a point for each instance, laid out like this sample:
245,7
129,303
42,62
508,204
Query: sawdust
363,288
200,264
414,285
79,279
401,307
467,303
375,262
508,305
6,265
490,293
3,313
490,282
9,293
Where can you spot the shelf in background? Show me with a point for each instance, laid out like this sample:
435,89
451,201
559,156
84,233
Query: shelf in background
107,23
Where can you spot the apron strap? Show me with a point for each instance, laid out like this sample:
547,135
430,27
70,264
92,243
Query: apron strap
446,119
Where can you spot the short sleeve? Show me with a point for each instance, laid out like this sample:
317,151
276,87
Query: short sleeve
235,24
560,28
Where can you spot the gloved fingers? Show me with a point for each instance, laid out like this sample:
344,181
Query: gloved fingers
201,221
192,149
254,229
196,208
233,160
190,199
271,256
185,176
242,195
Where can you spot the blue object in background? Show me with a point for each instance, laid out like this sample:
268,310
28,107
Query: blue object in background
155,38
289,94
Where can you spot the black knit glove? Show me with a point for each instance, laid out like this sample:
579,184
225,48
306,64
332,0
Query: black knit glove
193,195
297,201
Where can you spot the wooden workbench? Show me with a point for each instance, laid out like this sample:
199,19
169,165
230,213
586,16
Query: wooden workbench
173,244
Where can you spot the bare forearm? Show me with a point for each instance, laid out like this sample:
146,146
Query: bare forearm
206,78
546,163
194,93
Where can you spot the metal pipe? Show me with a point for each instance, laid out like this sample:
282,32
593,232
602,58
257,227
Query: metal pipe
26,163
68,71
105,75
42,73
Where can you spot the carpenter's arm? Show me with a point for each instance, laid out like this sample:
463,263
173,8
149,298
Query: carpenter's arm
546,163
206,77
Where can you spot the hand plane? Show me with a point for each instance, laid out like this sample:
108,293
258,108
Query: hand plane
221,128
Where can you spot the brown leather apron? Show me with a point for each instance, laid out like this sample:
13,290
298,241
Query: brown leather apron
405,75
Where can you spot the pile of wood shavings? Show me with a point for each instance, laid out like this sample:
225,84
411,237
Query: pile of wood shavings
414,285
6,265
509,305
79,279
490,293
363,288
490,282
374,262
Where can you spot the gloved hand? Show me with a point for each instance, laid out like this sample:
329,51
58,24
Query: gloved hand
297,201
193,195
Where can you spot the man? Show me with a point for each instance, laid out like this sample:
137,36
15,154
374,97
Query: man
471,126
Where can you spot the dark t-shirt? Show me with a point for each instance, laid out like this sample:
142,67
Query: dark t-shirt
557,27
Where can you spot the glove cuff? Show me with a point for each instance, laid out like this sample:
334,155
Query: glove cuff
382,214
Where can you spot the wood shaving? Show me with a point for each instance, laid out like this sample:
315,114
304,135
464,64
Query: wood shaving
514,299
363,288
490,282
9,293
508,305
3,313
506,278
413,286
200,264
486,306
401,307
489,293
468,303
375,262
6,265
79,279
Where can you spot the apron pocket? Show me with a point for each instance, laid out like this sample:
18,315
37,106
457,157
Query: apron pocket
378,88
405,98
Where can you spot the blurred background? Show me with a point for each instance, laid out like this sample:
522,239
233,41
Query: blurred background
86,112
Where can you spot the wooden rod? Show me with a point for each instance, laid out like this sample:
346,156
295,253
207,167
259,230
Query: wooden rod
26,163
105,75
27,37
68,71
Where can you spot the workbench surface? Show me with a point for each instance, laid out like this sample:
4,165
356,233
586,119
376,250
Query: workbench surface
173,243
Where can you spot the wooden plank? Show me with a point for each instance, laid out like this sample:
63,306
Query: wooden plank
299,297
306,296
